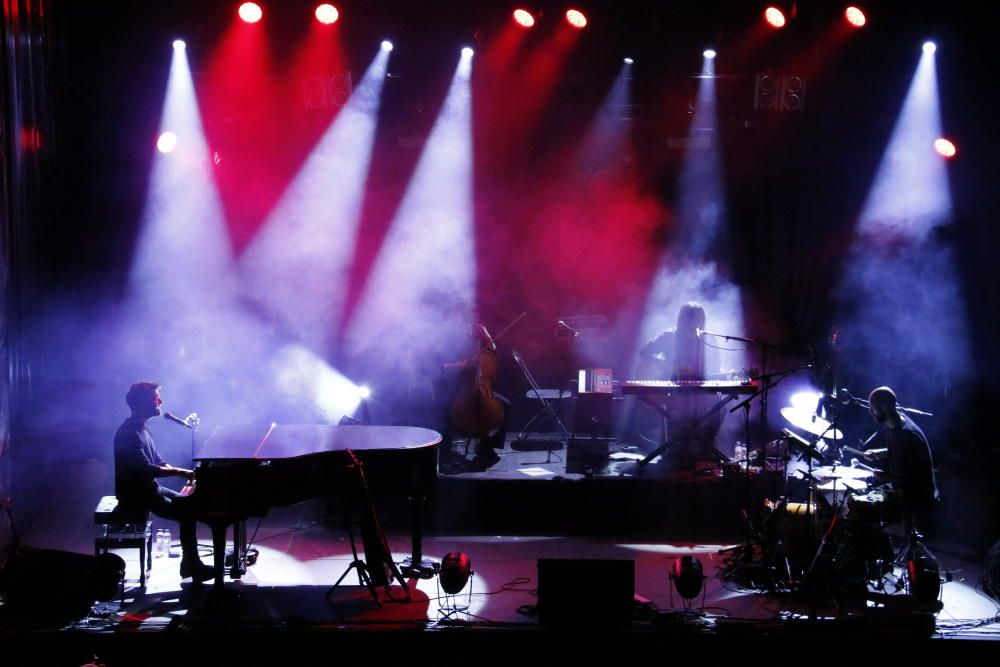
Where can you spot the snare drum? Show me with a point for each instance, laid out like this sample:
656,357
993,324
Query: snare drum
866,509
877,507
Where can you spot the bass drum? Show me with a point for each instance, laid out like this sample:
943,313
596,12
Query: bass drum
795,528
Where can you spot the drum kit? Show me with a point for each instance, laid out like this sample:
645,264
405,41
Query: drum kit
837,536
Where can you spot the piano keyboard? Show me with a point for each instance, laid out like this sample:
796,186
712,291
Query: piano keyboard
688,386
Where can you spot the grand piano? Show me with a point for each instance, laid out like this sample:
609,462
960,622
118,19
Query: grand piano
242,471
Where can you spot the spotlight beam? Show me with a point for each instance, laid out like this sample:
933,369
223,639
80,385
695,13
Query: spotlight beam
422,285
305,248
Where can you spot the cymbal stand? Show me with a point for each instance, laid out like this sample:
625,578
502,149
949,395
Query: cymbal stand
769,381
806,578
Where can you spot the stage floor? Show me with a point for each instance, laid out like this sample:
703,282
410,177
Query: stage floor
303,550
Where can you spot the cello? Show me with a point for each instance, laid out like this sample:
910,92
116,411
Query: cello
475,410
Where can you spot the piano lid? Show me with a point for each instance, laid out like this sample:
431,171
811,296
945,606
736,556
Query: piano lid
286,441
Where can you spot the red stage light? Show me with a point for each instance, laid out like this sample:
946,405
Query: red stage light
327,14
774,17
250,12
524,18
945,148
576,19
855,17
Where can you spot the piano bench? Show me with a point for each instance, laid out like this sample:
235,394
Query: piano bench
124,530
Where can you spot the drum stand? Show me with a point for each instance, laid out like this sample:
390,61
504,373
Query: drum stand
768,381
807,577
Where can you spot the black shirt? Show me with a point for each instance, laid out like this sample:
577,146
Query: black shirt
137,463
911,466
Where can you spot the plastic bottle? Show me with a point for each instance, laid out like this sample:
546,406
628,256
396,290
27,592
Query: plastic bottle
740,454
158,551
168,544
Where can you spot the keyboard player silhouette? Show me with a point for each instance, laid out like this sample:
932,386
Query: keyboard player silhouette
682,354
243,471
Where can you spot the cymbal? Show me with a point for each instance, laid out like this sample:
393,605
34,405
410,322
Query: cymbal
841,472
840,484
809,422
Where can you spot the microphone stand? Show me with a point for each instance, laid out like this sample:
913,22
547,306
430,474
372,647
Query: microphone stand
769,380
899,408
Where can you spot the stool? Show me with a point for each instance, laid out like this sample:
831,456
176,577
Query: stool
124,530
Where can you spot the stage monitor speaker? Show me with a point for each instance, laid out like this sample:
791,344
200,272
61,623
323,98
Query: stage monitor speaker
575,593
991,572
592,416
51,587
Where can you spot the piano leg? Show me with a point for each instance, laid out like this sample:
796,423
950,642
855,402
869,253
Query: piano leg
239,566
417,567
219,554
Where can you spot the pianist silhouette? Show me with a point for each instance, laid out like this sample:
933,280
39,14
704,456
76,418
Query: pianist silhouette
138,464
683,352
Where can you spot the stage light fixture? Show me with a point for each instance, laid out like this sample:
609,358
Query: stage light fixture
456,568
166,142
179,44
250,12
576,18
327,14
467,52
930,47
364,392
524,18
688,577
855,17
386,45
945,148
709,53
628,61
774,17
806,401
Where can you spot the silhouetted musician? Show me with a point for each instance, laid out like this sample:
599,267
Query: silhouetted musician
683,353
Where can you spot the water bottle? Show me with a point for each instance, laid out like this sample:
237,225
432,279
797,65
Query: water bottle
740,453
168,544
158,551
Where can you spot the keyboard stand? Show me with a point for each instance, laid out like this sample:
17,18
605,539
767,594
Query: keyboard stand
714,410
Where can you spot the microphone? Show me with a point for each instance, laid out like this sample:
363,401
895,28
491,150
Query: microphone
177,420
562,323
861,402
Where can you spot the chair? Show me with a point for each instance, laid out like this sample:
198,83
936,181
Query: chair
546,397
124,530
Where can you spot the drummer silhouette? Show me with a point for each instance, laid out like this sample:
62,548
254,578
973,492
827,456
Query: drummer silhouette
908,459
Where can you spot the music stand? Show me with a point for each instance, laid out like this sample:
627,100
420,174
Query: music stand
544,396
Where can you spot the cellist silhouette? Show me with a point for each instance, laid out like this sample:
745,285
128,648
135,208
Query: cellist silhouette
476,411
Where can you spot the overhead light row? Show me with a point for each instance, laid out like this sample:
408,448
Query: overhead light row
777,18
251,12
